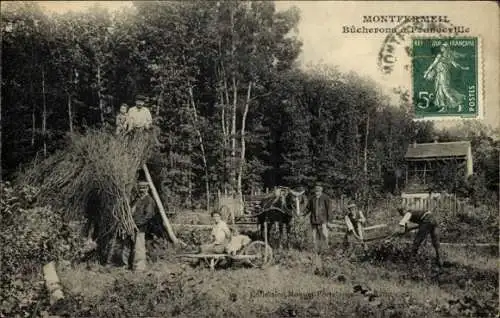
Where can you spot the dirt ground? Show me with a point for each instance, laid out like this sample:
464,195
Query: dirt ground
298,284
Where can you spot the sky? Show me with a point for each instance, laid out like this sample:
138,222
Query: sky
322,24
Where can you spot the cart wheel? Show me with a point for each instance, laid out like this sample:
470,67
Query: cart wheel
263,253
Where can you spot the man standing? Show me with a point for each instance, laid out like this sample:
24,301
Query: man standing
139,117
143,211
319,207
426,225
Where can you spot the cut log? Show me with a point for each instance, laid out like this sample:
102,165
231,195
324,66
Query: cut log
52,283
165,220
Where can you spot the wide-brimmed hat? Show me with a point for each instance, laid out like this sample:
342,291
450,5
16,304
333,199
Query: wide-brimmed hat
140,98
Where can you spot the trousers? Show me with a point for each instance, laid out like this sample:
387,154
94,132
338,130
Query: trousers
319,232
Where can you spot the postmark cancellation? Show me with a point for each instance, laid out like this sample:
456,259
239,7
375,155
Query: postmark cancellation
446,77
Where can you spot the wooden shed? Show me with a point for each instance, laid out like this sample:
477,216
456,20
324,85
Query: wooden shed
424,160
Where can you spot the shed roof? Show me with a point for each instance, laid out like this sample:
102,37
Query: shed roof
438,150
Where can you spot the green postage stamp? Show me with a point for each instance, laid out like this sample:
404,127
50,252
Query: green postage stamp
446,77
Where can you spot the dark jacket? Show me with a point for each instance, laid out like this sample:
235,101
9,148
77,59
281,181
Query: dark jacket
144,212
320,209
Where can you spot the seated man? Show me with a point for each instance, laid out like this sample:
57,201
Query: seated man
426,224
237,243
221,235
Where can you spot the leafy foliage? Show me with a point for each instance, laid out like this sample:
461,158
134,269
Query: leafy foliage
226,94
32,236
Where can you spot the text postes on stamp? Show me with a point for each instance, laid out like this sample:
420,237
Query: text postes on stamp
445,77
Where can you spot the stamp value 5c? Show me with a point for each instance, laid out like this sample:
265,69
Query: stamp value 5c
445,77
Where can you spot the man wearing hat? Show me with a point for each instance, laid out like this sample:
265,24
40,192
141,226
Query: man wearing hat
143,211
139,117
320,208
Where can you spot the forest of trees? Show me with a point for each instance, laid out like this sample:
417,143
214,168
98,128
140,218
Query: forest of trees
234,109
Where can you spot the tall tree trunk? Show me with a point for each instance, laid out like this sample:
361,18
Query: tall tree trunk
365,151
242,153
99,92
365,160
226,119
44,115
70,107
233,134
33,125
235,102
159,101
70,114
189,201
202,147
33,113
32,90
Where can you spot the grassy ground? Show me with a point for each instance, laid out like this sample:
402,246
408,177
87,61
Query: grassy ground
298,284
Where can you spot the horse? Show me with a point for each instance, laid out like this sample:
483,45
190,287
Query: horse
280,209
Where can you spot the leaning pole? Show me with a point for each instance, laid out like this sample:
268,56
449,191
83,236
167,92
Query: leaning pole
156,197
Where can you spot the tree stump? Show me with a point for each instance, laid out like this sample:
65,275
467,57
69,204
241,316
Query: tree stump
52,283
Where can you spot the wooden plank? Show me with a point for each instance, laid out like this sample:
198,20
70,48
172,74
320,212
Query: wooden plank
199,226
204,226
157,199
462,244
373,227
203,255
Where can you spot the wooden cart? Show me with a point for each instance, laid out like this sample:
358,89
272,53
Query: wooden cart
256,254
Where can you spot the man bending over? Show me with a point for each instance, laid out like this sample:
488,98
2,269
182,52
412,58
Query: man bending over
426,225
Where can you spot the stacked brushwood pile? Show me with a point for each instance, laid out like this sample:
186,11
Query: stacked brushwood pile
97,169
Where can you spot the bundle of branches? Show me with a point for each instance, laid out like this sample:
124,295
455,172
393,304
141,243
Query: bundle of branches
95,167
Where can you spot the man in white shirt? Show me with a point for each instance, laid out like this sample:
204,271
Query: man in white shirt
139,117
221,235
